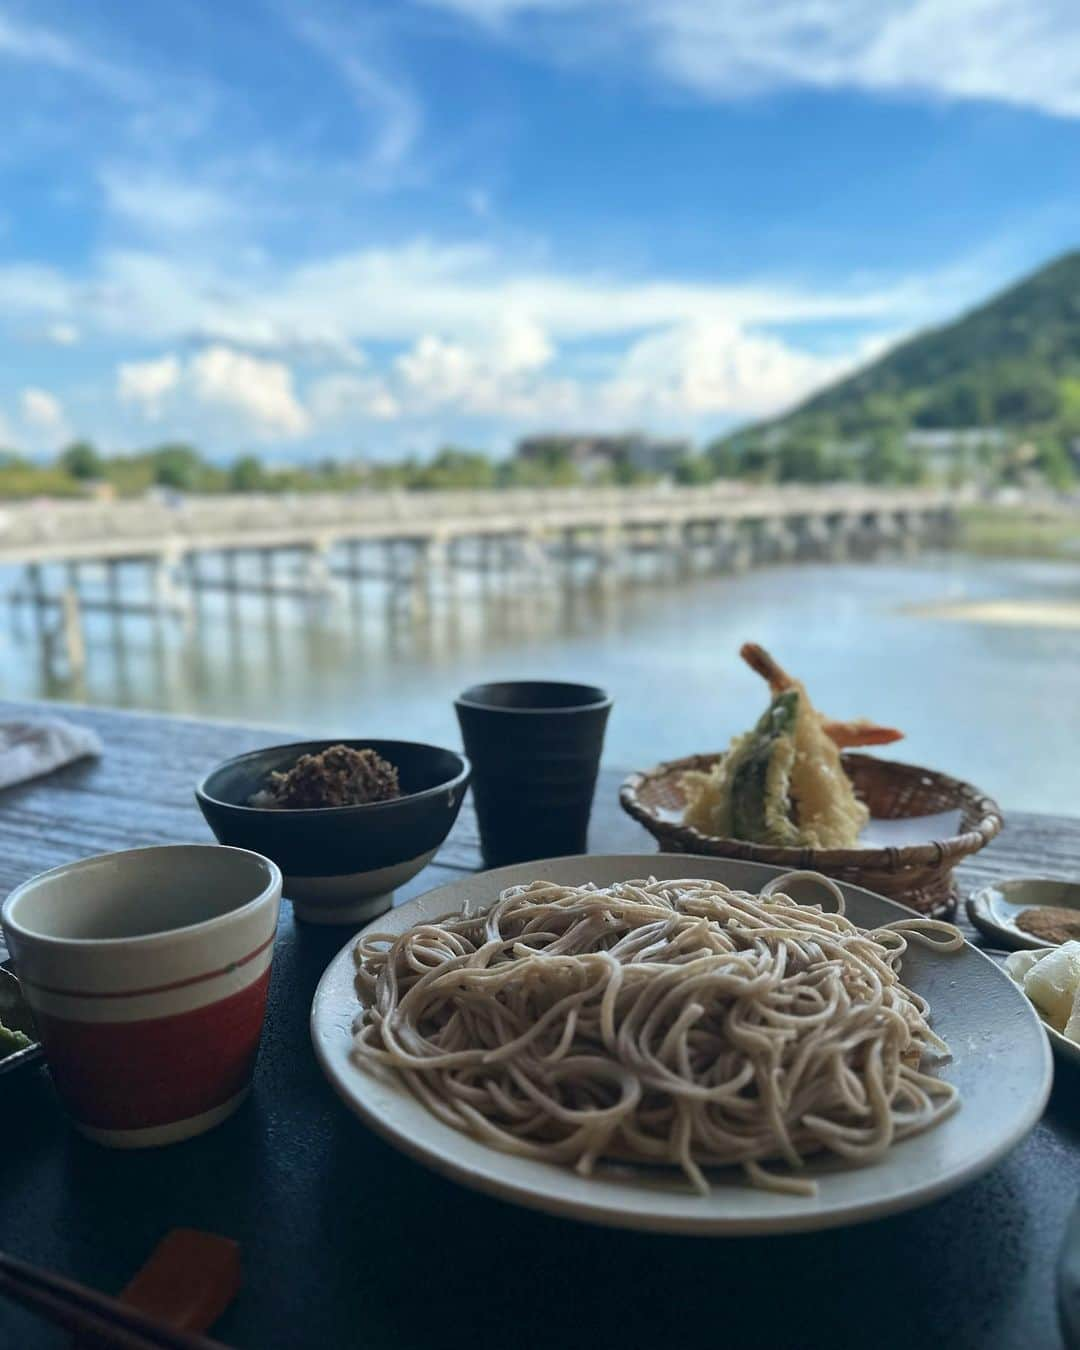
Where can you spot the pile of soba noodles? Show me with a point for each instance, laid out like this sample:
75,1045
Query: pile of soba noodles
670,1023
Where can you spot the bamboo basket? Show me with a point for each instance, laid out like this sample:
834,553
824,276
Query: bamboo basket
919,875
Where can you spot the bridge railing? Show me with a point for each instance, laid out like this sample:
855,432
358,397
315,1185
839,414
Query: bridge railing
188,519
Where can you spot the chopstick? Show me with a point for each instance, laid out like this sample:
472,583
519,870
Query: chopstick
104,1321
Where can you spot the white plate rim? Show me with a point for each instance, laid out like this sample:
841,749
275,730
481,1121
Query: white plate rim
500,1175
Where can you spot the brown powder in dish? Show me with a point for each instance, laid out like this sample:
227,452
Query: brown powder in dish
337,776
1050,923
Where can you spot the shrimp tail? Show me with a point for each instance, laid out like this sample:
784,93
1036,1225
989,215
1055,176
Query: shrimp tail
847,735
759,661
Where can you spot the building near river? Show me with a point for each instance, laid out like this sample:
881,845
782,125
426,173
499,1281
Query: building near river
596,457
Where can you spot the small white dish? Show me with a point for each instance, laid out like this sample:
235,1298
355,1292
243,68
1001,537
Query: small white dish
994,909
1001,1064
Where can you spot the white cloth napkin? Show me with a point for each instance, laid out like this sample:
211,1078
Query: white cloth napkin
29,749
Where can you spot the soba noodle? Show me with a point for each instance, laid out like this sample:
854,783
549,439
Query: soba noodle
658,1022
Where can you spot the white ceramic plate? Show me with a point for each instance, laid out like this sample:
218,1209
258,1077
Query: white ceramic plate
1001,1064
995,907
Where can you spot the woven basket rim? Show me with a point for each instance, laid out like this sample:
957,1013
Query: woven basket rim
890,859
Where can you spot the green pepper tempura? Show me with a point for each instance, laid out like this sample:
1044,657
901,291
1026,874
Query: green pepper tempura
760,775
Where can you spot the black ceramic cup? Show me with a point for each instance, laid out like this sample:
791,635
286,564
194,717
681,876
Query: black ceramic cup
535,751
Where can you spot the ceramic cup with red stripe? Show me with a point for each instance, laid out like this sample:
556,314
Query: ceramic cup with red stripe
147,973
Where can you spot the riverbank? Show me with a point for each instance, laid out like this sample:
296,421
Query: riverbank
1019,531
1007,613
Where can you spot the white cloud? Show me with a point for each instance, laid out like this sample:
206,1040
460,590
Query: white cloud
260,390
439,372
25,42
158,203
422,287
681,373
62,334
329,305
314,341
44,422
1014,51
391,113
519,343
146,383
344,397
36,290
684,372
716,367
498,375
41,410
33,44
484,336
395,112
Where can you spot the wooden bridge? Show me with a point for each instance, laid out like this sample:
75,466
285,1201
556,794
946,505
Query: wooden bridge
79,556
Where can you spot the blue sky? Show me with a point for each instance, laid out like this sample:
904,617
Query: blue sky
308,228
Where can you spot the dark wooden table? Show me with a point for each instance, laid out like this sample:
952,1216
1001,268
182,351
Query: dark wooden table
347,1243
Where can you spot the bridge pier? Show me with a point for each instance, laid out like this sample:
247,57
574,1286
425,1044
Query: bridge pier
73,641
940,526
779,540
911,531
676,550
762,542
843,537
318,575
812,537
168,599
735,547
872,533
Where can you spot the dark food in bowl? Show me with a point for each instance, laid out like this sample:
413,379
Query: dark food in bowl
339,860
336,776
1050,923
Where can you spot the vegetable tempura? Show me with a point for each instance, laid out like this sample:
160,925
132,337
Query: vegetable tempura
783,782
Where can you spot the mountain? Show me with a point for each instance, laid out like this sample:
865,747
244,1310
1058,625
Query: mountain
1013,363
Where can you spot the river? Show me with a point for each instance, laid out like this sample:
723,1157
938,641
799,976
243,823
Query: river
992,702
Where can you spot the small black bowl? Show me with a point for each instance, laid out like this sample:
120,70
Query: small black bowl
341,863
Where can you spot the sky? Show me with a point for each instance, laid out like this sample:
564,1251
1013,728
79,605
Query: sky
309,227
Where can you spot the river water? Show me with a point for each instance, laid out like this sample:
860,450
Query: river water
997,704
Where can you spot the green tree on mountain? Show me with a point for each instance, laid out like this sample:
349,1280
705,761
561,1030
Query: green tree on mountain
802,460
81,460
887,461
1055,463
246,474
177,466
724,458
692,470
964,402
454,467
1025,395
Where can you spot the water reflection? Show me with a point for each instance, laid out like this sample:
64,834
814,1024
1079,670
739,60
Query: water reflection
387,652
